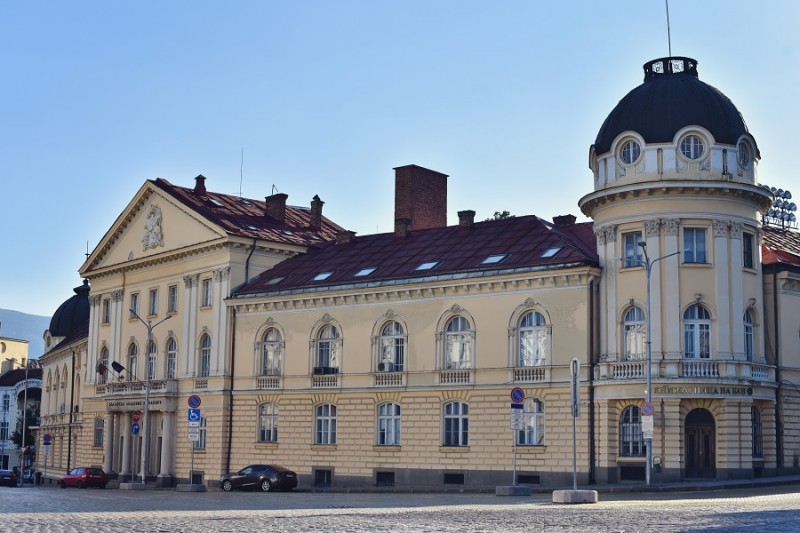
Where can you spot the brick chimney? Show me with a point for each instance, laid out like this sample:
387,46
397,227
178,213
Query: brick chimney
275,206
420,195
402,227
316,212
345,237
564,220
200,185
466,219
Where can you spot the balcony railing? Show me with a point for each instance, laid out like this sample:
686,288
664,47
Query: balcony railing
455,377
325,381
268,382
168,386
389,379
686,369
530,374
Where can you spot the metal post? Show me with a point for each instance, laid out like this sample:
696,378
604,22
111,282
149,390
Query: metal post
149,325
514,479
648,267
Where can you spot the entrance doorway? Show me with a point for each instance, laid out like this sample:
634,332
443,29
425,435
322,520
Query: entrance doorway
700,434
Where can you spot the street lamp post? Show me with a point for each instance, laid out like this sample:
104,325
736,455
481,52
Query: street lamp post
150,326
648,268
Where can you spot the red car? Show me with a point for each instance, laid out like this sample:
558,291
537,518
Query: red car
83,477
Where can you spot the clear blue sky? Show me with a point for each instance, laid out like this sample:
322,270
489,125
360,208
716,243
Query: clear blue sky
325,97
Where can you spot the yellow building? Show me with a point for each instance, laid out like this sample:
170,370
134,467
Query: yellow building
390,359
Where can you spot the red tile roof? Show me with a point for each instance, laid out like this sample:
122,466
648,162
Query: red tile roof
458,252
780,247
245,217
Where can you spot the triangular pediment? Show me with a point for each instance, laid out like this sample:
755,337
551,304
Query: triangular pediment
153,224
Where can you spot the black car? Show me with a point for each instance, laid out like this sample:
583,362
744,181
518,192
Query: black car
8,478
263,477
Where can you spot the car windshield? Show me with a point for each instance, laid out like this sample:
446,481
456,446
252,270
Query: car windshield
95,471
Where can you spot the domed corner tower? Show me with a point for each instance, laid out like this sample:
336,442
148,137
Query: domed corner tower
69,317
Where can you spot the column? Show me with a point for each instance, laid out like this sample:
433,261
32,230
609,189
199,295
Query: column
652,238
221,282
91,366
125,467
108,441
167,444
721,330
190,282
737,290
669,279
117,314
610,314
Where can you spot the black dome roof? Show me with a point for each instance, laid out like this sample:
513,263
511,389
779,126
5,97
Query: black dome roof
72,313
672,97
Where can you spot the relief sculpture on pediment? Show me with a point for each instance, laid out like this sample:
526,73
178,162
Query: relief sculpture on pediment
152,229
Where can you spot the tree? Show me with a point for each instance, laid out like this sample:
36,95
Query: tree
31,420
500,215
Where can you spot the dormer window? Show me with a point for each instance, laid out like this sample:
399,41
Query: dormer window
365,272
550,252
427,266
630,152
492,259
322,276
693,147
744,157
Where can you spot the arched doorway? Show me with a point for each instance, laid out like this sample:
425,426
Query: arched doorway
700,433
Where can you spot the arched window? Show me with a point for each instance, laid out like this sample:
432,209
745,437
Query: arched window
133,361
533,339
749,344
325,420
328,347
758,432
458,344
268,422
634,334
151,359
630,433
205,356
172,358
456,424
389,424
103,379
696,332
533,417
392,348
271,350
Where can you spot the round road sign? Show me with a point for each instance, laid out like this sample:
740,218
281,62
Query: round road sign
135,428
517,395
647,409
136,416
194,401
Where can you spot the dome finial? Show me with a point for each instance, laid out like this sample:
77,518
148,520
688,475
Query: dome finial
664,66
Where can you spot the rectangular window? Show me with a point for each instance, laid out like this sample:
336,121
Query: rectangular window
153,309
134,305
6,401
633,252
4,431
200,444
325,424
747,250
268,423
106,311
694,245
97,442
206,292
172,299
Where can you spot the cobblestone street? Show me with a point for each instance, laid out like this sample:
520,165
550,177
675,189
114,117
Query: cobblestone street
49,509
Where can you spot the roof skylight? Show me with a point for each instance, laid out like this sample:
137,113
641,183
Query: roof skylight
492,259
275,281
427,266
365,271
322,275
550,252
244,201
216,202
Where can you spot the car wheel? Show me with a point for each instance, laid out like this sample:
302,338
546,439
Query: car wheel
63,485
227,486
265,485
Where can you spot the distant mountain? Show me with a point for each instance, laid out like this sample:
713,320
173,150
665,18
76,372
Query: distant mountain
22,326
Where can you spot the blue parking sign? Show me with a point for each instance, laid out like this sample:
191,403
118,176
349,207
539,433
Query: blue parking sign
193,415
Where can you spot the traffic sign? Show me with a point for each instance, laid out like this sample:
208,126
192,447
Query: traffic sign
193,415
136,416
194,401
647,409
647,427
135,428
194,437
47,450
517,416
192,429
194,423
517,395
47,437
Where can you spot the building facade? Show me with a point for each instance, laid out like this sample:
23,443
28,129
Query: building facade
388,359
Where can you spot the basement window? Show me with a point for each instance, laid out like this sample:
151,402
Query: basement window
427,266
550,252
322,276
365,271
492,259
